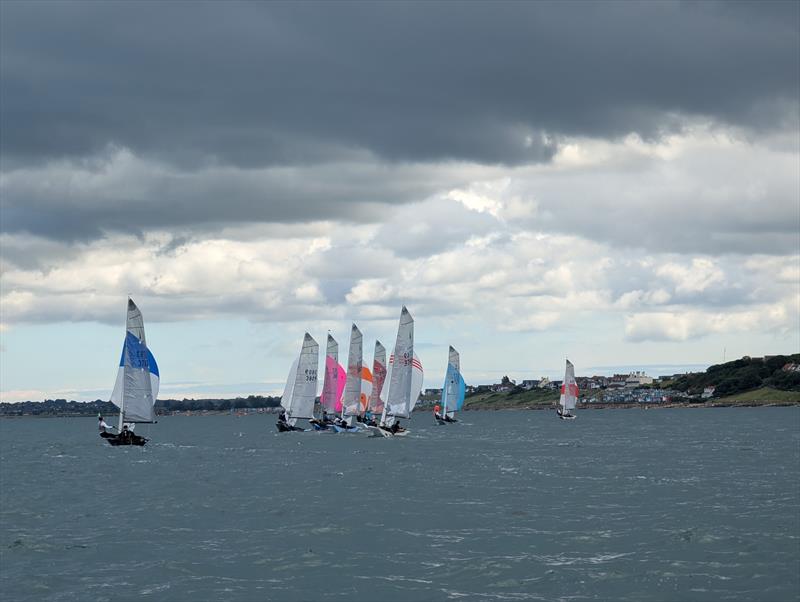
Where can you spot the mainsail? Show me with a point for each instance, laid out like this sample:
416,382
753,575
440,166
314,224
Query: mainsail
378,376
136,387
301,385
335,377
404,374
351,402
454,388
569,389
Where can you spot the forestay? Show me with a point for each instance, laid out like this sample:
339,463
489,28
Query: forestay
136,387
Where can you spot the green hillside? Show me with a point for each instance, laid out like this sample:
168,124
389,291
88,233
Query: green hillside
763,395
517,398
745,374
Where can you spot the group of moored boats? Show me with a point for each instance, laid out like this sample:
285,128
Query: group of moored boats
352,401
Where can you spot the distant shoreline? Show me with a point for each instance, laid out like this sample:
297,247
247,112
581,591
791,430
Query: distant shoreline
499,408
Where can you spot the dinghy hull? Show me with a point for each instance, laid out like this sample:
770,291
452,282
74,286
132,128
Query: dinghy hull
353,429
116,440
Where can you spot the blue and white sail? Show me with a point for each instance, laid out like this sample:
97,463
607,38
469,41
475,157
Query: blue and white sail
136,388
454,388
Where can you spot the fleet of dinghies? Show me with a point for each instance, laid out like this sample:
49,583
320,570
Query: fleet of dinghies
352,400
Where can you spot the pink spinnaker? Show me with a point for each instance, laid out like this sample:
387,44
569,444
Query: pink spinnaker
335,378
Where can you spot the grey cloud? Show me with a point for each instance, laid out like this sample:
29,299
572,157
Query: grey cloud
125,194
260,83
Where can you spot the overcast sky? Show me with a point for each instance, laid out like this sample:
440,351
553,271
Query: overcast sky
617,183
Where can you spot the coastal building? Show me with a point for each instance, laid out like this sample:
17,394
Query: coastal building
617,381
708,393
637,379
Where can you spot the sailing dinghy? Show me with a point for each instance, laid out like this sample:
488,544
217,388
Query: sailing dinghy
453,391
375,403
569,394
136,387
330,400
300,391
403,383
351,402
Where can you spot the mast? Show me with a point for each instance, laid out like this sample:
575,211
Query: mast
124,369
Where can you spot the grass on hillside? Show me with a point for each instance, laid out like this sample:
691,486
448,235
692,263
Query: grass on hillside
524,399
762,395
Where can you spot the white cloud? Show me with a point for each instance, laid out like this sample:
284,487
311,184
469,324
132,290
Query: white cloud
693,278
682,326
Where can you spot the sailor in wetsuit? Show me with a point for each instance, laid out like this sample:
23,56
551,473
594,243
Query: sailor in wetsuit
437,409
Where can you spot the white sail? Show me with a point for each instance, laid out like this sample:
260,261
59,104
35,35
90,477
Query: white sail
351,402
136,387
301,385
569,388
399,373
288,389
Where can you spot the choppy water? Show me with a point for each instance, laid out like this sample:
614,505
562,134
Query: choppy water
617,505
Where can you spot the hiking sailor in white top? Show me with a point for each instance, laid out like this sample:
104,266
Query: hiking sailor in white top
102,426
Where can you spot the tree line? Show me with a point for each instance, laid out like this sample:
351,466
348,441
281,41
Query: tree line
60,407
744,374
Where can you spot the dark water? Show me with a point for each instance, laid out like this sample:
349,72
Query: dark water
617,505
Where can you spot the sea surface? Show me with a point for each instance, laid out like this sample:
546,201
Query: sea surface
674,505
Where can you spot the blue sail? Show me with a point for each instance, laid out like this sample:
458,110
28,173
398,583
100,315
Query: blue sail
453,391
